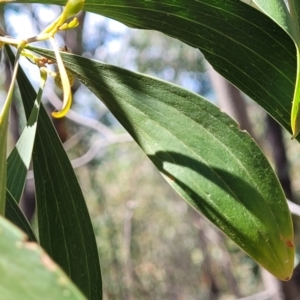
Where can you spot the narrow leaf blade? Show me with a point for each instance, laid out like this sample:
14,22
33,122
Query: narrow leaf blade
289,20
16,216
4,116
3,146
64,224
19,159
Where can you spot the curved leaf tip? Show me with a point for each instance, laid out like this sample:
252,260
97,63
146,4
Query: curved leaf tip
214,166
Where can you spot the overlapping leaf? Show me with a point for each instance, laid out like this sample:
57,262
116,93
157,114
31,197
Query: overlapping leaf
65,229
203,155
16,216
236,39
288,18
3,146
27,272
18,163
4,117
19,159
241,43
278,11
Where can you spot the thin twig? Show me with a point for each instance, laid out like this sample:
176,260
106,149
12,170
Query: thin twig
294,208
97,146
94,150
74,139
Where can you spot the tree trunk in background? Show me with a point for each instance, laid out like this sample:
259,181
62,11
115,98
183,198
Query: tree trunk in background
230,100
275,139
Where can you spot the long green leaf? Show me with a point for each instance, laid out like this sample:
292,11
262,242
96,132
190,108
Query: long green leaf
241,43
295,115
65,229
18,164
288,19
27,272
4,116
3,146
19,159
203,155
16,216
